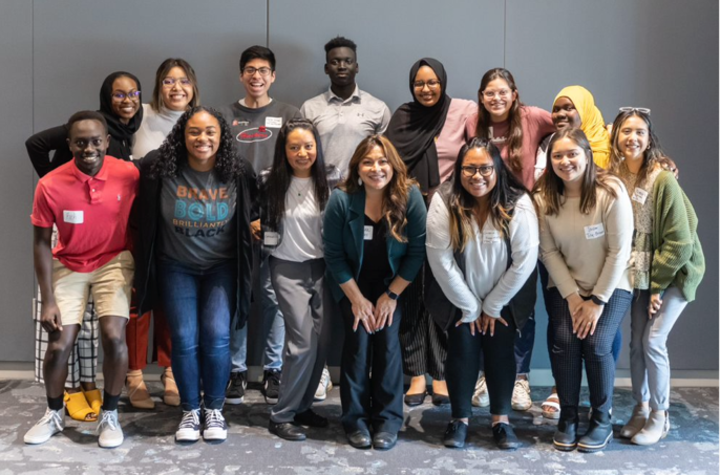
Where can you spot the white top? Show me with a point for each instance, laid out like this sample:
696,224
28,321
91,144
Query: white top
301,224
589,253
154,128
488,284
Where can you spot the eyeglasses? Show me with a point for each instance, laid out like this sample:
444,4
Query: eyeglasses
249,71
502,93
485,170
432,84
120,96
171,81
642,110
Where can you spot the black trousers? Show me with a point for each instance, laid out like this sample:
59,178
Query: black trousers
424,344
371,402
465,352
568,352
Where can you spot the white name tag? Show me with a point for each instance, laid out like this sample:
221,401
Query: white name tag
368,233
640,195
274,122
594,231
490,236
271,238
73,217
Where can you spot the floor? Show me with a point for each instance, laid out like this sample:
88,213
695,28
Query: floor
690,449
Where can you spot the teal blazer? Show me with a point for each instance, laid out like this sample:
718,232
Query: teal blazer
343,230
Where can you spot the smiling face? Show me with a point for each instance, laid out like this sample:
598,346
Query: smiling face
476,163
125,101
564,114
498,98
301,151
176,89
427,87
88,141
341,66
375,169
257,84
633,138
569,161
202,139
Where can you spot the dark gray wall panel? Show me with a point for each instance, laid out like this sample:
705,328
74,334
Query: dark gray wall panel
16,182
657,54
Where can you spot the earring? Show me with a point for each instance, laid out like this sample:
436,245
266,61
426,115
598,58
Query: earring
359,181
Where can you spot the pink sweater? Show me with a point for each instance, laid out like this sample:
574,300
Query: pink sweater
458,129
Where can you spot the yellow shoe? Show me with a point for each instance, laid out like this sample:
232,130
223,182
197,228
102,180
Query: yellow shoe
77,407
94,399
137,391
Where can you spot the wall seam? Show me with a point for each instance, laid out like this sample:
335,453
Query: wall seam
504,33
267,23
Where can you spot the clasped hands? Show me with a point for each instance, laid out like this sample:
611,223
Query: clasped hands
373,317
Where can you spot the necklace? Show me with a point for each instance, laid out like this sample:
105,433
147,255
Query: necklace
300,189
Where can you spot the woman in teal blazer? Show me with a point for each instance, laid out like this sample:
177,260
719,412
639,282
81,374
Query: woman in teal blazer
374,237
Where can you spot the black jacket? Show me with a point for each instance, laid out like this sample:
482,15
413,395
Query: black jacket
144,222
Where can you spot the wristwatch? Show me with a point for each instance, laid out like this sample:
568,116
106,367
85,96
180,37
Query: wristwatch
597,301
392,294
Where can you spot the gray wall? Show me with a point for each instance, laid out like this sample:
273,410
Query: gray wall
660,54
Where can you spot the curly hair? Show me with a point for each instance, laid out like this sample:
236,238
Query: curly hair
397,192
173,150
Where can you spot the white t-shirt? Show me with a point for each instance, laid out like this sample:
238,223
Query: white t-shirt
154,128
488,284
301,224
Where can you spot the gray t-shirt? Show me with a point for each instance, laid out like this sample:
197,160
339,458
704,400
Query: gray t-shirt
255,130
198,219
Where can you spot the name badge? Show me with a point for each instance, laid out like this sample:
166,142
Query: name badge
73,217
274,122
271,238
640,195
594,231
491,236
368,233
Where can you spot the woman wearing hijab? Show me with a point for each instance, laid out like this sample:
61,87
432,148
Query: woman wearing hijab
428,134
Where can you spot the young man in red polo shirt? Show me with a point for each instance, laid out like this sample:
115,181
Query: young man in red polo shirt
89,200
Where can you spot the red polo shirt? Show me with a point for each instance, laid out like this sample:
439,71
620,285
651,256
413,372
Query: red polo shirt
91,213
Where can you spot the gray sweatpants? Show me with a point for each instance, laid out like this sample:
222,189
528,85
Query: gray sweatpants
302,296
649,361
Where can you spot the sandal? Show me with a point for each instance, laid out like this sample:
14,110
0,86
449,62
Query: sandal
94,399
77,407
551,405
172,395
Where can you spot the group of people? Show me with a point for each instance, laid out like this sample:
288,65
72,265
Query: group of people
422,231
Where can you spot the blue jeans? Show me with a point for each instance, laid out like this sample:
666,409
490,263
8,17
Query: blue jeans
199,305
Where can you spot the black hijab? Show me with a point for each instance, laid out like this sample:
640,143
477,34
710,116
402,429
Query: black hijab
414,127
120,134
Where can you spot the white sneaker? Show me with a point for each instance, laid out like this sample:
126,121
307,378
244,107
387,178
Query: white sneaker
480,397
189,428
110,434
324,387
215,426
50,424
521,400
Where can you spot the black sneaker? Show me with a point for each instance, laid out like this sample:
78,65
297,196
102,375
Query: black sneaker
455,435
235,392
505,437
271,385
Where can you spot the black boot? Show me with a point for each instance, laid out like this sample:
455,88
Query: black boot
566,438
599,433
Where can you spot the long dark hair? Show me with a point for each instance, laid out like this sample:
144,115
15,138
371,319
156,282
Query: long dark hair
173,150
551,187
281,173
396,193
515,132
502,199
162,71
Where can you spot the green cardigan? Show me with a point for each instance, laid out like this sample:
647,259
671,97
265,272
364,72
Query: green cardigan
677,255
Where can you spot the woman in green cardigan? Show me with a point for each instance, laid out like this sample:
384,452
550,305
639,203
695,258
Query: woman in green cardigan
374,236
667,266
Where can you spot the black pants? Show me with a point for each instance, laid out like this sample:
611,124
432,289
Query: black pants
424,344
568,352
375,401
463,364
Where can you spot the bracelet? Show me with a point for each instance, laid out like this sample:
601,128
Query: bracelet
391,294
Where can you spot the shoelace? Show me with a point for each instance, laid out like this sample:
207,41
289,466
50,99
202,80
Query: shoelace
190,420
214,418
51,417
109,418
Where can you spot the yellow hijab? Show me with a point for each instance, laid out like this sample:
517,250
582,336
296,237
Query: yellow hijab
592,122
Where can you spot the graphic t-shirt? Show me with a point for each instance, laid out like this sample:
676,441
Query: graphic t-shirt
198,219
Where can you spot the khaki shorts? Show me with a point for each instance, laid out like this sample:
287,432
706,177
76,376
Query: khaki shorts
111,287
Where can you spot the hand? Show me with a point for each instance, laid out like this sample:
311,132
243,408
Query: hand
384,310
574,301
654,306
50,317
364,312
488,323
256,230
586,318
474,325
